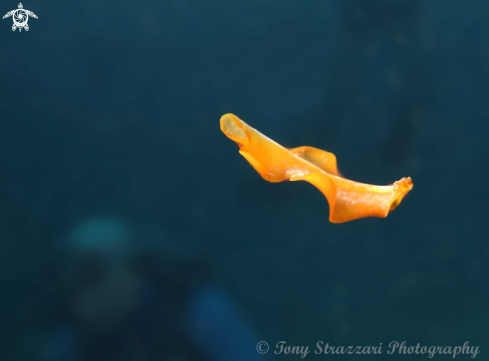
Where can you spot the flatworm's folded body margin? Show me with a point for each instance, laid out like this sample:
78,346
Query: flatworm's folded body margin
348,200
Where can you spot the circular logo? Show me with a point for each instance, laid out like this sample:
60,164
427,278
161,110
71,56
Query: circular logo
262,347
20,18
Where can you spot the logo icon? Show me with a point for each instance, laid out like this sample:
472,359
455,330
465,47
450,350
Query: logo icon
20,17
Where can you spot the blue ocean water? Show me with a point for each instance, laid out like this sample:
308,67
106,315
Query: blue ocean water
131,228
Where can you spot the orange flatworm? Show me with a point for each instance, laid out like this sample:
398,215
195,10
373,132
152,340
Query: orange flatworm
348,200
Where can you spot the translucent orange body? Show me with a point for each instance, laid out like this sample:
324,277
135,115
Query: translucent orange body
348,200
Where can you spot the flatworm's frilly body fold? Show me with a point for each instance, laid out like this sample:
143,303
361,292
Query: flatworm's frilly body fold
348,200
